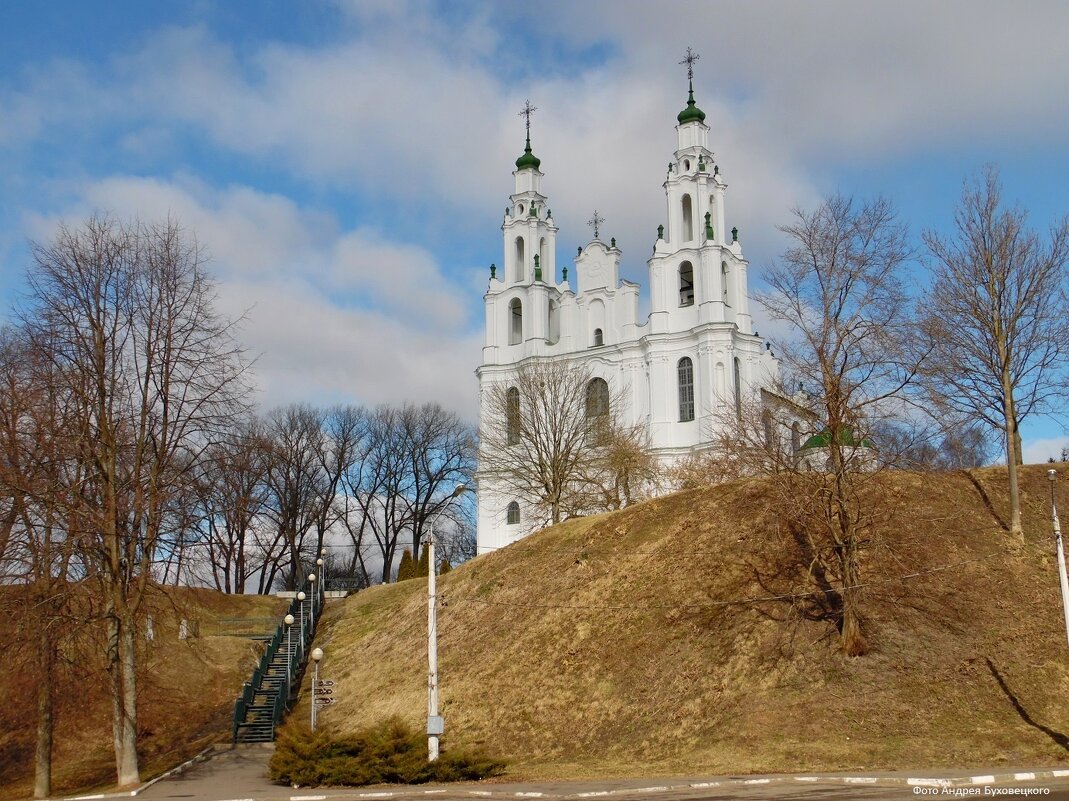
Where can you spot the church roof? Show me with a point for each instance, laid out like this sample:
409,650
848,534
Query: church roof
528,159
847,437
691,113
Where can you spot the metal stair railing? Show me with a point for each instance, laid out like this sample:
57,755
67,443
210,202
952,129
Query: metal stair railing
300,644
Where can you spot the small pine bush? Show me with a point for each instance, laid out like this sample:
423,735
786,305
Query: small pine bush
389,753
424,562
444,567
407,568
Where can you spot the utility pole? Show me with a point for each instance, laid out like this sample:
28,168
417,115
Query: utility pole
435,722
1052,476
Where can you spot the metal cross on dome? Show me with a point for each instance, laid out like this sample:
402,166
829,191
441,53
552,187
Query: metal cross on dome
527,111
595,222
689,60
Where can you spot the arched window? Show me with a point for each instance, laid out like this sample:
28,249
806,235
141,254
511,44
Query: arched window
686,284
688,219
796,438
685,371
597,398
766,427
543,258
738,388
520,273
686,164
515,322
724,278
553,327
513,514
599,338
512,416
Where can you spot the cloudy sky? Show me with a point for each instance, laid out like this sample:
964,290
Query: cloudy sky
346,163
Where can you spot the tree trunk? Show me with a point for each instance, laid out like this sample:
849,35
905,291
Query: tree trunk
854,643
42,779
1012,452
127,767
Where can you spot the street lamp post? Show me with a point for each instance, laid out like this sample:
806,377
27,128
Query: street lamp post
323,583
435,722
300,597
312,606
1052,476
288,619
317,654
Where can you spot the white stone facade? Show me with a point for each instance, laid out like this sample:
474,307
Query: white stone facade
699,310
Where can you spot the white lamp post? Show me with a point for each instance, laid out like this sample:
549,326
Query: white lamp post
288,619
300,597
312,606
317,654
1052,476
319,564
435,723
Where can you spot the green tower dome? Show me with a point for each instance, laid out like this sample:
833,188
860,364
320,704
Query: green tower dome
691,113
528,159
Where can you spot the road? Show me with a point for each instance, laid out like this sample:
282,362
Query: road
239,775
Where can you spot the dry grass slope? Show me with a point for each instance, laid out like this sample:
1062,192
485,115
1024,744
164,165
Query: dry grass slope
618,644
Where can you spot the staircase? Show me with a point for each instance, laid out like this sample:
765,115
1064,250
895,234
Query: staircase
267,695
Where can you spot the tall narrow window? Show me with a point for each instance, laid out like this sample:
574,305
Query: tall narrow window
520,273
553,329
513,513
796,437
543,260
685,370
724,279
512,416
597,398
738,388
688,219
766,427
515,322
686,284
599,338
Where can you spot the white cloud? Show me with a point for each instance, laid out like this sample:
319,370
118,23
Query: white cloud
332,316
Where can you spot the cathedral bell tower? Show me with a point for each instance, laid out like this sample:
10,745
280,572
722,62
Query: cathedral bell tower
518,301
697,272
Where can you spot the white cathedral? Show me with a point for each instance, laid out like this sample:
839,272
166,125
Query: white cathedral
675,372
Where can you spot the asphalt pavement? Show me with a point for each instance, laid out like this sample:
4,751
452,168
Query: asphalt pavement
240,774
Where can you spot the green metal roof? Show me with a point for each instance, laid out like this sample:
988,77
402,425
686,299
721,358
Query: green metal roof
822,439
528,159
691,113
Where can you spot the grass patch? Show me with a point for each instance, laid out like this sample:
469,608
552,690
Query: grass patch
389,753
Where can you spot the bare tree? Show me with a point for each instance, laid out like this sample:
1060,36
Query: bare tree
231,494
551,437
854,348
997,313
124,315
296,482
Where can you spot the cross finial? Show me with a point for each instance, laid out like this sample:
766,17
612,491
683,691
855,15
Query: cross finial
595,222
527,111
689,60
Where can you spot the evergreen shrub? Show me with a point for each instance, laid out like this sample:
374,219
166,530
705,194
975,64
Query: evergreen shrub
388,753
407,568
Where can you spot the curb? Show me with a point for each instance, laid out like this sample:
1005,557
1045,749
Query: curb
918,783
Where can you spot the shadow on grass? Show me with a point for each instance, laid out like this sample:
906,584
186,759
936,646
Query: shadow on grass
1057,736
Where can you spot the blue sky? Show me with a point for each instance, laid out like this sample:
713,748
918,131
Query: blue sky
345,164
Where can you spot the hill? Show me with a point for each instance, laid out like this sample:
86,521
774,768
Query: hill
186,689
630,642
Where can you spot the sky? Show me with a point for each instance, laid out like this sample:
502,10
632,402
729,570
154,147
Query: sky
345,163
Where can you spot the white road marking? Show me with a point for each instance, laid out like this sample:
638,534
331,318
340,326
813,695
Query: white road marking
983,779
859,780
758,781
1024,777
